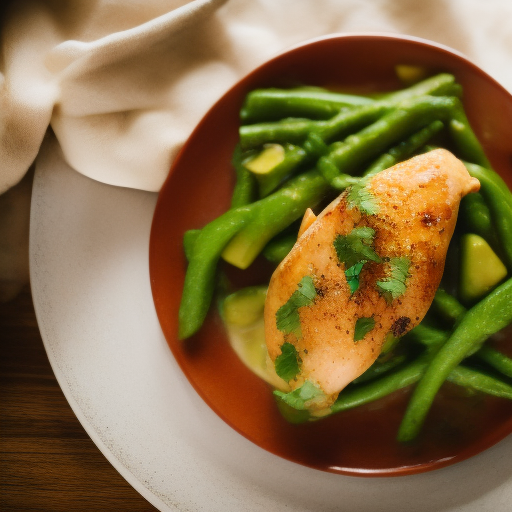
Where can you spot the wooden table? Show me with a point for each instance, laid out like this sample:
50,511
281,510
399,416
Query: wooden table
48,462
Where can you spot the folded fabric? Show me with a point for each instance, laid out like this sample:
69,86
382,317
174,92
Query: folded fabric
123,83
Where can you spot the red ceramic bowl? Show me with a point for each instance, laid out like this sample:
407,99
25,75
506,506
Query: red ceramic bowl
360,441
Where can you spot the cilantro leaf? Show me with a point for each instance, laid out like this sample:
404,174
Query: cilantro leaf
356,246
352,275
394,285
299,398
287,316
360,197
287,363
363,326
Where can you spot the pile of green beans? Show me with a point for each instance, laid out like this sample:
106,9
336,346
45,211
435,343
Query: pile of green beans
333,140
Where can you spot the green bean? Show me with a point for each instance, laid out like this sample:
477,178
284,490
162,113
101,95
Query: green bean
189,240
447,306
314,145
349,121
499,200
496,359
278,248
475,217
451,309
427,335
245,186
273,214
360,395
492,183
442,84
487,317
475,214
270,104
408,117
290,130
466,142
405,148
478,381
200,276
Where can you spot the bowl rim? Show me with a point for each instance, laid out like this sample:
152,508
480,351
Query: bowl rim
372,35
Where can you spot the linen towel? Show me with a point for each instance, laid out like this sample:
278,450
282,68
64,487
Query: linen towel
123,83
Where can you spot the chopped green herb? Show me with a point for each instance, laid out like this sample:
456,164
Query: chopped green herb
287,363
360,197
363,326
356,247
394,285
352,275
287,316
299,398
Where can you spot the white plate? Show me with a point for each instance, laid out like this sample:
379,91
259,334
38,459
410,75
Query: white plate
91,290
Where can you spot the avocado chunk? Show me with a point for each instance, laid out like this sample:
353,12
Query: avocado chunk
242,312
271,156
481,269
245,306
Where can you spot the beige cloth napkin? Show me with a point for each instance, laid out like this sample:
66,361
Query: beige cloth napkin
123,82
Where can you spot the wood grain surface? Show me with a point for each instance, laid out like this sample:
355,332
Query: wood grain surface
48,462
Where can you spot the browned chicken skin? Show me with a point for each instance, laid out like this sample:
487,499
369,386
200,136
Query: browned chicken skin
417,203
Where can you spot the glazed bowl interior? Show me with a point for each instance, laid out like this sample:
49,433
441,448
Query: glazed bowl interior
198,189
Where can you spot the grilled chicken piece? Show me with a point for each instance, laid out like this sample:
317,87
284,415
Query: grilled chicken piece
395,230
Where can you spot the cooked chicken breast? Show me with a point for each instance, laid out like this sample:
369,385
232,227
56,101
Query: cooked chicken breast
373,260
